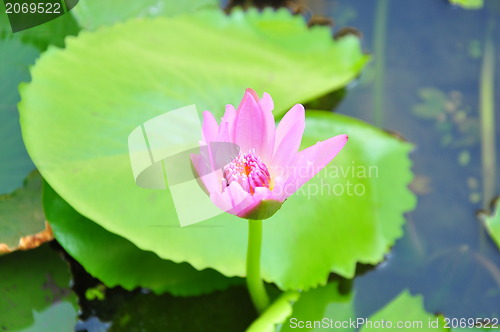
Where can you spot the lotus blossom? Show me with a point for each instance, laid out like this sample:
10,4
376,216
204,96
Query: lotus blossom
268,166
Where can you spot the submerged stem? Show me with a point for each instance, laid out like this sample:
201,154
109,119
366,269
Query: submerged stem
255,284
379,50
487,114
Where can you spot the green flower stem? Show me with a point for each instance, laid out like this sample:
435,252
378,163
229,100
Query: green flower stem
255,284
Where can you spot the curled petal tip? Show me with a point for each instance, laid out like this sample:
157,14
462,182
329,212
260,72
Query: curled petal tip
266,103
253,94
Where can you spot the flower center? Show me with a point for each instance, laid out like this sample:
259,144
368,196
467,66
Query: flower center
248,170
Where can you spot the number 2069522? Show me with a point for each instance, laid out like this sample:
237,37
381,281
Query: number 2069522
27,7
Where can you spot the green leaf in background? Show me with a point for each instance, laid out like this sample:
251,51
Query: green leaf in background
278,311
60,316
51,33
84,102
36,293
326,308
123,263
319,303
406,309
468,4
18,52
493,224
21,213
91,14
16,164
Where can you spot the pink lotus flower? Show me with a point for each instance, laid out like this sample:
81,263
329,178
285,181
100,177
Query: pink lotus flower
268,167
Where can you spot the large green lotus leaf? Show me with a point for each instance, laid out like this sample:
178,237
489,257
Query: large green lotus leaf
123,264
36,293
493,224
206,59
15,163
84,101
21,214
91,14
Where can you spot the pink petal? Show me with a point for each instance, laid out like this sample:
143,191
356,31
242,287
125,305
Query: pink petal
262,193
224,132
266,103
310,161
204,172
210,128
229,114
280,178
211,181
289,135
199,164
227,124
253,93
221,201
254,128
232,199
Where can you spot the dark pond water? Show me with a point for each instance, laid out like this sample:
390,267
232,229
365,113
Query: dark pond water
424,48
423,83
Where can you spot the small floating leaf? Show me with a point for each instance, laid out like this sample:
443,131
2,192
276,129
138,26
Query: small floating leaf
36,293
22,222
468,4
16,164
493,224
